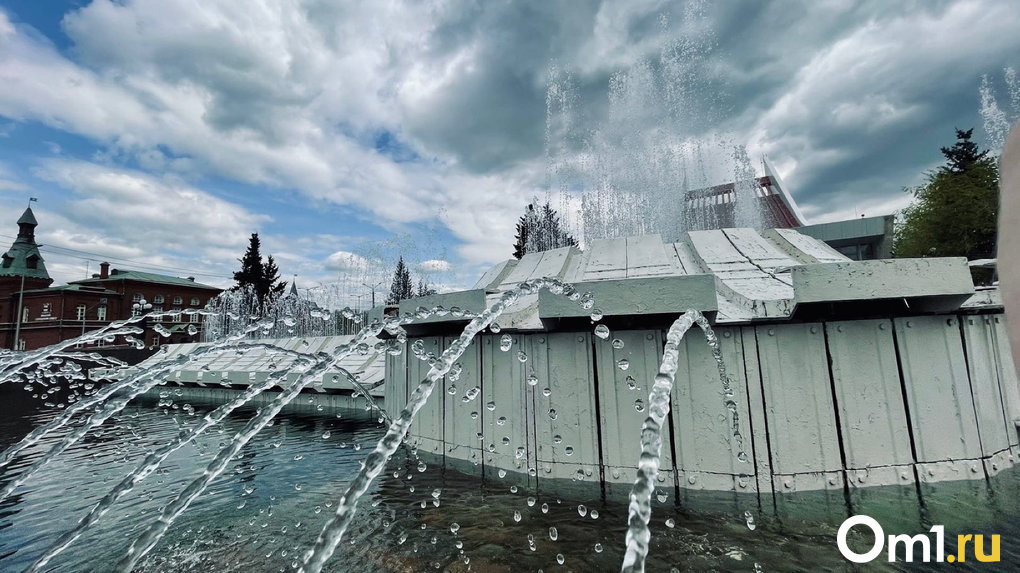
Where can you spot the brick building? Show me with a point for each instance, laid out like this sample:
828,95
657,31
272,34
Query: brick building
34,314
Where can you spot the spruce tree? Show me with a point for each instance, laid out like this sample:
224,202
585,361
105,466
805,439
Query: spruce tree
261,279
540,230
402,288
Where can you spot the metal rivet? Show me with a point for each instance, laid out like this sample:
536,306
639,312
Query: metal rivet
988,320
649,336
541,340
950,322
881,326
909,324
726,334
772,332
839,328
813,329
580,339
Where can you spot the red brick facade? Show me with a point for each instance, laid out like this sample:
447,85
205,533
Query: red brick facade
51,314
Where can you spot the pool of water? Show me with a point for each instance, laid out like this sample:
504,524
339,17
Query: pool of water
269,506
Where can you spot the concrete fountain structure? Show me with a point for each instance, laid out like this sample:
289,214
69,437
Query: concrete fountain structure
846,374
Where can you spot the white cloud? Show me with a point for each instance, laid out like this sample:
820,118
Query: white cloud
434,266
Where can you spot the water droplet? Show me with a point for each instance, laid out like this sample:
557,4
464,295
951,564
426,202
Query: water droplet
617,343
557,439
505,342
623,364
326,435
602,331
661,497
546,392
531,501
639,405
598,548
501,420
552,413
596,315
749,518
560,558
553,534
670,523
517,516
513,489
491,406
474,415
454,528
582,510
501,473
495,328
452,390
568,450
521,356
545,508
594,514
532,380
421,466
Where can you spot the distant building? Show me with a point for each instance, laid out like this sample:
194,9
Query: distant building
858,239
33,314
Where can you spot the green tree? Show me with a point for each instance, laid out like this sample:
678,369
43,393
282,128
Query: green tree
402,288
540,230
425,289
954,213
261,279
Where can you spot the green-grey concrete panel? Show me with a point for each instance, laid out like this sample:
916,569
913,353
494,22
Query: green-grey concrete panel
872,416
495,275
1009,385
652,295
805,249
562,362
428,423
472,300
503,386
647,256
396,381
621,421
763,253
706,449
983,368
889,278
938,391
798,403
461,429
762,469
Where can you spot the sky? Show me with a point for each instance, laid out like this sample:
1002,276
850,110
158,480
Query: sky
159,134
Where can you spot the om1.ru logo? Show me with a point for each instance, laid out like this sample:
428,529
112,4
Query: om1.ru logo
908,543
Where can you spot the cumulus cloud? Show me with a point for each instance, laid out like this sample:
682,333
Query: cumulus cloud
434,266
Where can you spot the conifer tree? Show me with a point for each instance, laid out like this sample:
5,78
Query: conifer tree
540,230
402,288
261,279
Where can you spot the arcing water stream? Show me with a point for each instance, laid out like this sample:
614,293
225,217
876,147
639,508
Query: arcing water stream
115,397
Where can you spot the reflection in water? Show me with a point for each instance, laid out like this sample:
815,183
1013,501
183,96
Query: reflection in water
271,503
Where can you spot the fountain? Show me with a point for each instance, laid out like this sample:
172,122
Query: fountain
821,387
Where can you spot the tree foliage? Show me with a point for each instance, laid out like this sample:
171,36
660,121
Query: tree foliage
425,289
954,213
261,278
402,288
539,230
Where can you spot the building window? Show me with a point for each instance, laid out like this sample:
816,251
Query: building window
178,299
158,299
176,316
32,262
137,297
101,313
80,312
195,301
47,309
192,317
21,344
24,315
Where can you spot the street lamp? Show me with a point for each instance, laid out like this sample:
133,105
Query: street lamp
142,307
373,287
